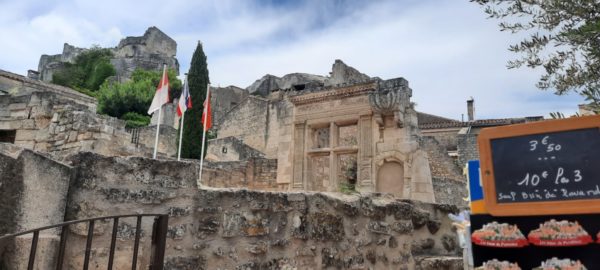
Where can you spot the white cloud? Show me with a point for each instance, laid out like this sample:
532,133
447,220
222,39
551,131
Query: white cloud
447,50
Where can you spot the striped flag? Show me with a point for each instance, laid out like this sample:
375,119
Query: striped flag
185,101
161,96
206,114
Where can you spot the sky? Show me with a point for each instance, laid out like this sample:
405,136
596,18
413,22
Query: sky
447,49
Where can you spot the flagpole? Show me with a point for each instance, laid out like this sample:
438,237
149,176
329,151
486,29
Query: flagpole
180,137
181,125
157,132
204,131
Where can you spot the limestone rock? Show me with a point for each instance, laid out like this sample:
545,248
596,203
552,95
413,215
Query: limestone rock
148,52
340,74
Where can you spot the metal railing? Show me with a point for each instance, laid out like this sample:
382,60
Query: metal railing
135,135
157,251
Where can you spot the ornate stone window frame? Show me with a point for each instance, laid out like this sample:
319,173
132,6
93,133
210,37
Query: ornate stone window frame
334,151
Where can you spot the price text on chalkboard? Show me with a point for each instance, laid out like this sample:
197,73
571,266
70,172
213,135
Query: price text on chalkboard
548,167
542,168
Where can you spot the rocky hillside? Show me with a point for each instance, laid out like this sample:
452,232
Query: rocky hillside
340,74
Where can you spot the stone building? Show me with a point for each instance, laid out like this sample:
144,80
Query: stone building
459,138
148,52
330,133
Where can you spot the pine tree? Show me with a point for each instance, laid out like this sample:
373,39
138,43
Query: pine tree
198,80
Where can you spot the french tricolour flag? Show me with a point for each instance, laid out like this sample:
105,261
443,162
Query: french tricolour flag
185,101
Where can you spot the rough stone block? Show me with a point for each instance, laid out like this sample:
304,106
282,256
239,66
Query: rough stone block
25,135
18,255
324,226
10,124
17,106
28,124
26,144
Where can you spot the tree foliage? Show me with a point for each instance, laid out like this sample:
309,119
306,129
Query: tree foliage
89,70
130,100
198,80
564,40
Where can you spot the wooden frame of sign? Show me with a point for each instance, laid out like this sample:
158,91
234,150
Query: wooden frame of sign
544,204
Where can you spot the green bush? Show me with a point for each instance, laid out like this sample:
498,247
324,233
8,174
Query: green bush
118,99
88,72
134,119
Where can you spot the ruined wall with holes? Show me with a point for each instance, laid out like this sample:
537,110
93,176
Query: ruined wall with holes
211,228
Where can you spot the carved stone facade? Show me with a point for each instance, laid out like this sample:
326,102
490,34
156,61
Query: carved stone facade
362,136
372,141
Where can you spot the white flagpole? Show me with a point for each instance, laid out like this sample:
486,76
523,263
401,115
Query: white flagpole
180,136
157,132
181,125
204,131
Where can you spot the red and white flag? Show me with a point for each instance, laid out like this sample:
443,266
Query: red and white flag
185,101
206,114
161,96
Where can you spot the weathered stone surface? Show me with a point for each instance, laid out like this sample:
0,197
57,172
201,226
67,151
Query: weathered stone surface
326,227
422,246
241,229
185,263
439,263
433,226
148,52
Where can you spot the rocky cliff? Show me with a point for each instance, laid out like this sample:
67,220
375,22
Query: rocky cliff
340,74
149,52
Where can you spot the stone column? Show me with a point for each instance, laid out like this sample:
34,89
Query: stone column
334,182
365,154
298,156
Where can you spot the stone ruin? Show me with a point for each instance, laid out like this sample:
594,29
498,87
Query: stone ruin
211,228
291,144
325,133
61,121
148,52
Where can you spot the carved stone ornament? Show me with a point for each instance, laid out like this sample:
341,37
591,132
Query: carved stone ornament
392,97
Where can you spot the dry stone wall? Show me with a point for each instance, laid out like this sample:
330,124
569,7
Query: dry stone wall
240,229
253,173
211,228
48,122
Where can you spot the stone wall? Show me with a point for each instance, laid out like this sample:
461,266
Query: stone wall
467,145
48,122
252,173
441,164
450,191
17,85
168,140
445,137
230,149
25,178
239,229
249,123
223,100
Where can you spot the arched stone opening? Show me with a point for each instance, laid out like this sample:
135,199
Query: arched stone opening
390,178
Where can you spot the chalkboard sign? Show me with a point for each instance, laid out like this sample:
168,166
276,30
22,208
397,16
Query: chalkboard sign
550,167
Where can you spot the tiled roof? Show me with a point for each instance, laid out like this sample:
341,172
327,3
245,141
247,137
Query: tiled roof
429,121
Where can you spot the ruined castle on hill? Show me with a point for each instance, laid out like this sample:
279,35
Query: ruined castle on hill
148,52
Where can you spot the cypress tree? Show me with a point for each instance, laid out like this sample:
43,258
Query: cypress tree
191,145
